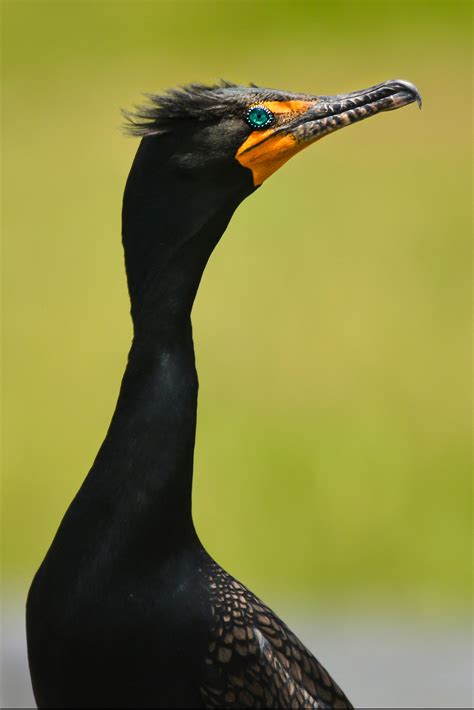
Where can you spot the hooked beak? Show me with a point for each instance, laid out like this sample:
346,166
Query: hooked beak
264,152
329,113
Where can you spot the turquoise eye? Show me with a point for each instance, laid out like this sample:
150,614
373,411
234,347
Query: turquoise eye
259,117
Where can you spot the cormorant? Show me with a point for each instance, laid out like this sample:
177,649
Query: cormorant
128,609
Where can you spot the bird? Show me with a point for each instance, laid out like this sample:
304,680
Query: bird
127,608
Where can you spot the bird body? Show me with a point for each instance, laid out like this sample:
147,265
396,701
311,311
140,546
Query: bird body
128,609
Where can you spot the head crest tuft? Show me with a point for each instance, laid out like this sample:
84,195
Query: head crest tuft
196,101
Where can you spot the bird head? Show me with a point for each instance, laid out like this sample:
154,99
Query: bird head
224,131
206,148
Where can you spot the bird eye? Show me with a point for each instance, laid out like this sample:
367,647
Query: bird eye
259,117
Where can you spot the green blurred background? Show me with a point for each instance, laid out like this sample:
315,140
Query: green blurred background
332,326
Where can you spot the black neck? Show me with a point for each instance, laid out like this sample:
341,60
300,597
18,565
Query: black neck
150,442
144,467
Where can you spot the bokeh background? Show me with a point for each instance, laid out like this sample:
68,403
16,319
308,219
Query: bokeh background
332,327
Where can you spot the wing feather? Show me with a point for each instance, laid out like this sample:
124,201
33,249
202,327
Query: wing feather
255,661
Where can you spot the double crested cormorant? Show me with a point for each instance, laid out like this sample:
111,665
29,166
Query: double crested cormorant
128,609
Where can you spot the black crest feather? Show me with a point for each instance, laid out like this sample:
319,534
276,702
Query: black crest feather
198,101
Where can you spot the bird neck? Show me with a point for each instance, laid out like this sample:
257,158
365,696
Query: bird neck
146,460
172,218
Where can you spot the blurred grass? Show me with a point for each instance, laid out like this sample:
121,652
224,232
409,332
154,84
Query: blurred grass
332,326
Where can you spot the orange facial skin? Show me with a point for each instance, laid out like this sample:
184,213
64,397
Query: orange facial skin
263,152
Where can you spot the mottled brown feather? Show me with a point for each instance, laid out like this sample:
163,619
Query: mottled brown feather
255,661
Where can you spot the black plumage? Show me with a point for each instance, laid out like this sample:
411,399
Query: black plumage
128,609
